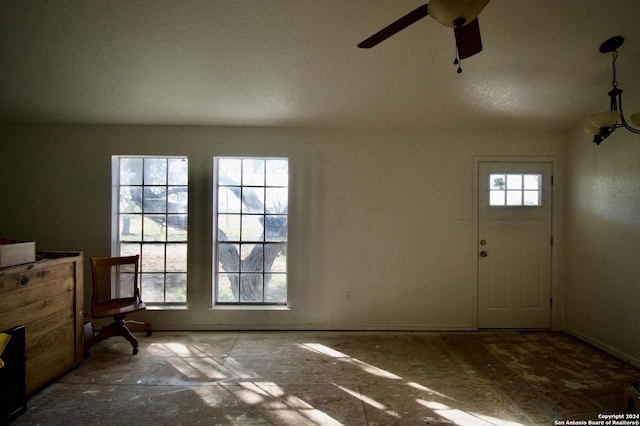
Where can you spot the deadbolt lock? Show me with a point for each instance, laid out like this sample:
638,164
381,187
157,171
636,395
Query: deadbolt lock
483,242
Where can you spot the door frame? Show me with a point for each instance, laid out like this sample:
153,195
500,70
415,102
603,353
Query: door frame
557,307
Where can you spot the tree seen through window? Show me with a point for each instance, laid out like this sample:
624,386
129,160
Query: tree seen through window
251,238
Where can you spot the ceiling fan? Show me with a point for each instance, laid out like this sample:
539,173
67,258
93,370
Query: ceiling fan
461,15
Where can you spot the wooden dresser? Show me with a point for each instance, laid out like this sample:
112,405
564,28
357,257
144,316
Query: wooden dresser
47,298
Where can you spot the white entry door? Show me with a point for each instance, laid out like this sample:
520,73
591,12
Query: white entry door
514,245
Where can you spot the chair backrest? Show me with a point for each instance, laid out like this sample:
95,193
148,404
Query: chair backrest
114,278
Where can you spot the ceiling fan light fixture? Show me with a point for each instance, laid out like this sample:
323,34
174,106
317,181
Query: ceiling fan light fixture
602,124
456,13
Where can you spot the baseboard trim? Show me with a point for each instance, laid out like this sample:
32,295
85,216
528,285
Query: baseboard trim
309,327
603,346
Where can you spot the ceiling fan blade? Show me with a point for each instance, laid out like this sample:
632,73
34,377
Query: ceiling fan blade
396,27
468,39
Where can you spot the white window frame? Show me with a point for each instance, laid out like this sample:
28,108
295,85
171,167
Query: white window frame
117,245
282,272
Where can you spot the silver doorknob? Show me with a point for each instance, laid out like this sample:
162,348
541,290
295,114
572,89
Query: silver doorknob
483,254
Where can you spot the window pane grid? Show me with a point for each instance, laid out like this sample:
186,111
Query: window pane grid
515,189
252,204
152,222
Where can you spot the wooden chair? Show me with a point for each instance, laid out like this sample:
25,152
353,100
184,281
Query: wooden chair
116,294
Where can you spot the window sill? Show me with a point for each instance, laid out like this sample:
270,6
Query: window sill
250,308
167,307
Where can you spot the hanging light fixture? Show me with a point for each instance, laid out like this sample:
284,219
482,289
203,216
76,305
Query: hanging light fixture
602,124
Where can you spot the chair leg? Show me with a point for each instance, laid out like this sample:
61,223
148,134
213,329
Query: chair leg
138,326
127,334
116,328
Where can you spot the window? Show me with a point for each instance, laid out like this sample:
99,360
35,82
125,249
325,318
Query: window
251,206
514,189
150,205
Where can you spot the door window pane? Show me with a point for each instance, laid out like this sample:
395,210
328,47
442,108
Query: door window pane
514,189
532,182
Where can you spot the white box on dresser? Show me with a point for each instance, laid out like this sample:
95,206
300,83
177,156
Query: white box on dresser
17,253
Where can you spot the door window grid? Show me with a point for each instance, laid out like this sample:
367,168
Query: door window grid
251,240
152,207
515,189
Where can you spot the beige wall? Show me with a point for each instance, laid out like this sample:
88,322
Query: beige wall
371,212
603,242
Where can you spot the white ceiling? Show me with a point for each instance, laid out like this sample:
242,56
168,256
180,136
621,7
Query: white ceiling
295,63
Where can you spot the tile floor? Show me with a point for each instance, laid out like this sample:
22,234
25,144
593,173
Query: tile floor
336,378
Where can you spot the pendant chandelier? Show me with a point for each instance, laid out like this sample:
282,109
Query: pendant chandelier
602,124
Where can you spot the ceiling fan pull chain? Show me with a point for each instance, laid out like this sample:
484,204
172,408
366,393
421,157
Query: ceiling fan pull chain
458,62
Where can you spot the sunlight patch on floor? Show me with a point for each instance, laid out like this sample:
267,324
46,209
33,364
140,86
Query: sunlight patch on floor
370,401
422,388
194,363
463,418
456,416
289,408
371,369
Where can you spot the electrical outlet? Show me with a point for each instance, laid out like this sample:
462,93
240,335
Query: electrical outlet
347,296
